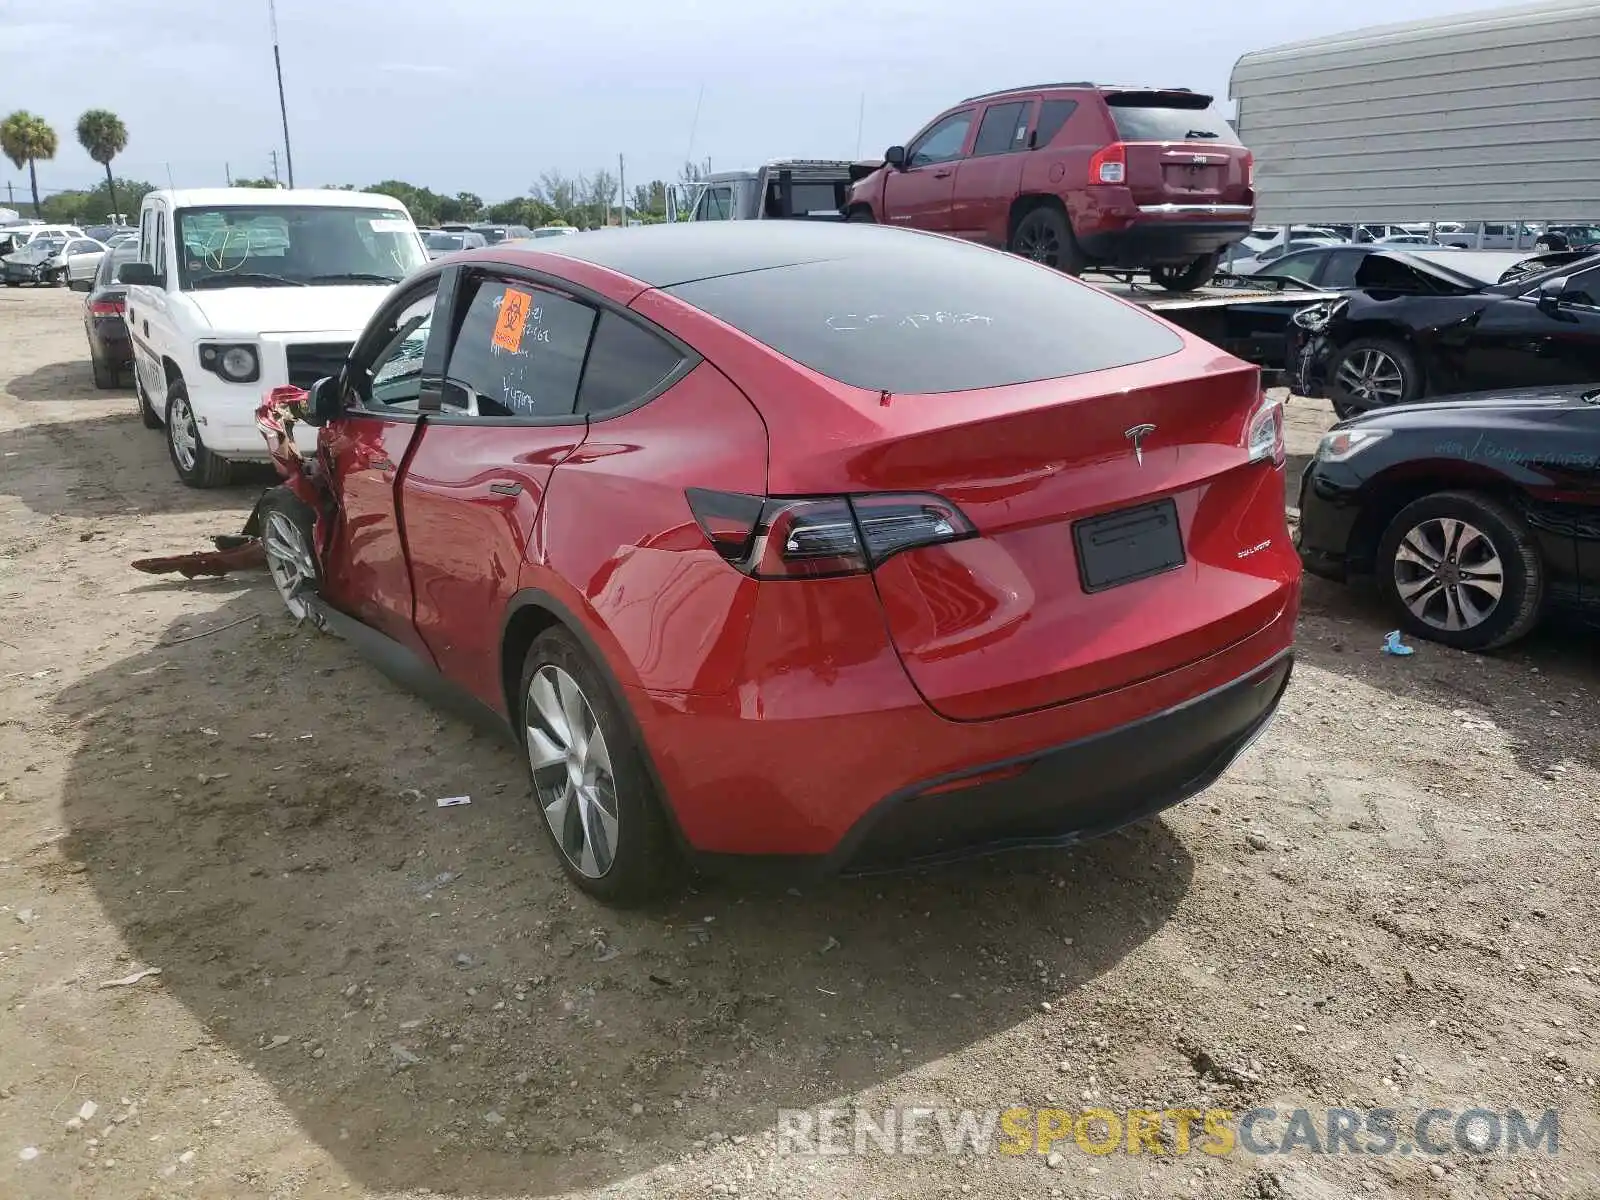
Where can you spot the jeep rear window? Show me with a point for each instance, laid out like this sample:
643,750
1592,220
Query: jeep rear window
1162,117
927,315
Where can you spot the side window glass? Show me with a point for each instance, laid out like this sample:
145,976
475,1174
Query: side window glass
1002,130
1583,290
1298,266
718,204
1053,115
1342,267
625,364
158,258
147,237
519,353
397,367
943,142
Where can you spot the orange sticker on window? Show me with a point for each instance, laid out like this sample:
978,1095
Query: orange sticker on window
514,306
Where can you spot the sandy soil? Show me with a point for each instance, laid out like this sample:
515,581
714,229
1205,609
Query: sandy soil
1390,902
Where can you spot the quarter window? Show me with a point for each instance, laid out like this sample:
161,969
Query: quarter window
397,368
943,142
717,205
519,353
1004,128
1053,115
626,363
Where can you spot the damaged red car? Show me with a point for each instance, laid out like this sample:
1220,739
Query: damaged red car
821,542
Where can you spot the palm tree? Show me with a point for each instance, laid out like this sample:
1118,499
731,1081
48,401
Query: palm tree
104,136
25,138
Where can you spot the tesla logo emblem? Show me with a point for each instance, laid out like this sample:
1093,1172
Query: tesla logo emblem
1136,435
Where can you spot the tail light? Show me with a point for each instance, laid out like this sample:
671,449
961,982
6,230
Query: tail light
823,536
1249,169
1109,164
105,308
1264,435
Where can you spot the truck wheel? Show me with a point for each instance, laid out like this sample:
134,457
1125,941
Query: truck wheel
1463,569
1044,236
1187,278
863,215
196,466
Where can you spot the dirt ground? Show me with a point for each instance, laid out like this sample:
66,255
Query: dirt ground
1390,902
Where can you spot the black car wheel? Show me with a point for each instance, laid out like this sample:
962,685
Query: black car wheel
1044,236
1463,569
1372,373
1187,278
596,799
106,375
195,464
147,413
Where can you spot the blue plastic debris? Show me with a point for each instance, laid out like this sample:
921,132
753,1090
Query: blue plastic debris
1393,645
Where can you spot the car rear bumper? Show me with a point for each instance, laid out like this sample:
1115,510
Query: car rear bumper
790,768
1155,234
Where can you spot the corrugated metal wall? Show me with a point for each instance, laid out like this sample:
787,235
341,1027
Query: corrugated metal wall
1486,116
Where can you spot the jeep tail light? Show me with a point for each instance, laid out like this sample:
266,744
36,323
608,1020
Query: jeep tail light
1110,164
1249,169
819,537
1264,435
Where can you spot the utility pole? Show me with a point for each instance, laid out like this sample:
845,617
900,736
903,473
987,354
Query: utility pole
622,189
861,121
283,109
276,178
227,174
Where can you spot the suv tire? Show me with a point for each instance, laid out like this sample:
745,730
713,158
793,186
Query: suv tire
1044,235
1187,278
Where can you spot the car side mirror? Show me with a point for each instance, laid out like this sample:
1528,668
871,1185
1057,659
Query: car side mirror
895,156
1550,293
326,401
136,274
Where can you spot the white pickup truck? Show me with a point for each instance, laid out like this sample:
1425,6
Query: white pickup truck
239,290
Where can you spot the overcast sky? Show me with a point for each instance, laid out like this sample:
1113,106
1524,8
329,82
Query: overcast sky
482,95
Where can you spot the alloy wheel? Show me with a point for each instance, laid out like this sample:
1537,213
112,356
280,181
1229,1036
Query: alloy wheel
181,429
1373,376
1449,574
1037,241
290,562
572,771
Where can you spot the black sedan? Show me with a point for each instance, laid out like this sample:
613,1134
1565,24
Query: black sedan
1474,514
1414,327
105,323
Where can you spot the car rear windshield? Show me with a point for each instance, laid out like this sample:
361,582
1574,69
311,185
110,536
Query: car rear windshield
925,315
1163,117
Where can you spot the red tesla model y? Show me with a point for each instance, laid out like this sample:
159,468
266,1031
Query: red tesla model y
830,542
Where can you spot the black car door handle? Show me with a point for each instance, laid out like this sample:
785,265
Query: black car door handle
506,489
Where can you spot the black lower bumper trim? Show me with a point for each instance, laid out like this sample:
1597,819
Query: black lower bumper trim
1074,792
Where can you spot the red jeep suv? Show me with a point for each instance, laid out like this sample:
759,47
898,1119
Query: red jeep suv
1075,175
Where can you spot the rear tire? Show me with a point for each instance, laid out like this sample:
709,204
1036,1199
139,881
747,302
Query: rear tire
597,803
1466,559
1044,236
1187,278
106,375
1372,373
196,465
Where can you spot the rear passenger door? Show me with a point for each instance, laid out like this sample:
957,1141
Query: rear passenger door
474,485
920,195
990,177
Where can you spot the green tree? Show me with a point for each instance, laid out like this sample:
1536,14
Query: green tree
102,133
96,205
25,138
263,182
422,203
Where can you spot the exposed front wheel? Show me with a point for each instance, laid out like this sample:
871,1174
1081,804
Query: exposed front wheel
147,413
287,537
1372,373
1463,569
1186,277
598,803
1044,236
196,465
